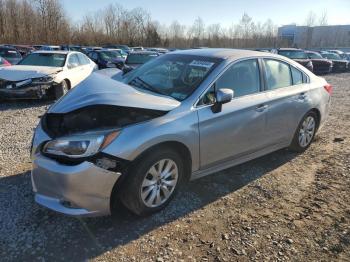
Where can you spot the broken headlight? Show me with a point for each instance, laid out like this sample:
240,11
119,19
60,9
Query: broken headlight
79,146
41,80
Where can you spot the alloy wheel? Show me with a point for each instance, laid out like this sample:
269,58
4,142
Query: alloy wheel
159,183
307,131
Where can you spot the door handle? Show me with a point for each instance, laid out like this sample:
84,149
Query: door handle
261,108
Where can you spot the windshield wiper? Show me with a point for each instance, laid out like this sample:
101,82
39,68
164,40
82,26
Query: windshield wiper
143,84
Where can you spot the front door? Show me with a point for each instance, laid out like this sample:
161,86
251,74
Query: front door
239,128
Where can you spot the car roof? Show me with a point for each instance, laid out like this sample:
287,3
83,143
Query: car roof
223,53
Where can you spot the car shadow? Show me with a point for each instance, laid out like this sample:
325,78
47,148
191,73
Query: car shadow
32,231
23,104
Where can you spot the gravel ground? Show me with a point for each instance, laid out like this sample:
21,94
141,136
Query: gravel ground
281,207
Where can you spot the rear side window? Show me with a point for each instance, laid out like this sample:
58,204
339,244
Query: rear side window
277,74
73,61
243,78
83,59
297,76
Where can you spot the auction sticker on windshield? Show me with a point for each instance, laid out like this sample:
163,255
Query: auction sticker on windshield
204,64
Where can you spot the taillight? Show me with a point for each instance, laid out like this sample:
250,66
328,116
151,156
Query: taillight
329,88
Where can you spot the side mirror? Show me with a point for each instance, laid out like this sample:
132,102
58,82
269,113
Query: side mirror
223,96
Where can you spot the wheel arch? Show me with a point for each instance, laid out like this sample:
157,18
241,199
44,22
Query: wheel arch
318,114
68,83
179,147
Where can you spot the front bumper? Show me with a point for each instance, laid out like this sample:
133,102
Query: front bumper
78,190
30,92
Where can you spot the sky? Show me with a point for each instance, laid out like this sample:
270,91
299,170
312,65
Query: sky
224,12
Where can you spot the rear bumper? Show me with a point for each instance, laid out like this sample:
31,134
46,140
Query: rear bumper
31,92
79,190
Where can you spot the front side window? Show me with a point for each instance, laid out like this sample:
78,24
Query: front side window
277,74
172,75
44,59
243,78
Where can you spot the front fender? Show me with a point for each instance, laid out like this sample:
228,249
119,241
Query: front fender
136,139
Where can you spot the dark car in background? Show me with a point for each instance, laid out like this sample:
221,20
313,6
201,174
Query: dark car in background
320,64
125,48
297,55
76,48
136,59
107,59
158,50
10,54
339,64
24,50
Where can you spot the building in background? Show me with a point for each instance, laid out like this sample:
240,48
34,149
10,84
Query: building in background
335,36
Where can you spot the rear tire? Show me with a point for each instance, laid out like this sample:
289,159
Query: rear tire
61,89
152,182
305,133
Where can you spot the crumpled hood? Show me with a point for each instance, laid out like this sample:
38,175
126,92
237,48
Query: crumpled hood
22,72
98,89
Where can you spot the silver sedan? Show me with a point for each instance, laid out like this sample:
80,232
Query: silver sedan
138,137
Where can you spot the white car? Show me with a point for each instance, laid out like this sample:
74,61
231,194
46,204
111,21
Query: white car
44,74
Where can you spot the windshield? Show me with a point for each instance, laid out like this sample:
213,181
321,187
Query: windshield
176,76
109,55
140,58
332,56
293,54
9,53
314,56
44,59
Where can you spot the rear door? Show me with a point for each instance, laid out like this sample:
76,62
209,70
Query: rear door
287,90
240,127
87,66
75,70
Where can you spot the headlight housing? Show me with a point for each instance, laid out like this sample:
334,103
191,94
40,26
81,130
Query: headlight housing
42,80
79,146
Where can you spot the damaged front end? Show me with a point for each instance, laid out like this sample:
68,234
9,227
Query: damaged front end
82,134
36,88
71,173
73,170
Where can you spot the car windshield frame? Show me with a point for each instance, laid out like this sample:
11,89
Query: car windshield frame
135,78
30,56
292,54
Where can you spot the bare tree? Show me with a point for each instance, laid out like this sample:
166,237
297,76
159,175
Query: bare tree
323,20
310,19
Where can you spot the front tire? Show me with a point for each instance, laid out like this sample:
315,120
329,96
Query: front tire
305,133
152,182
